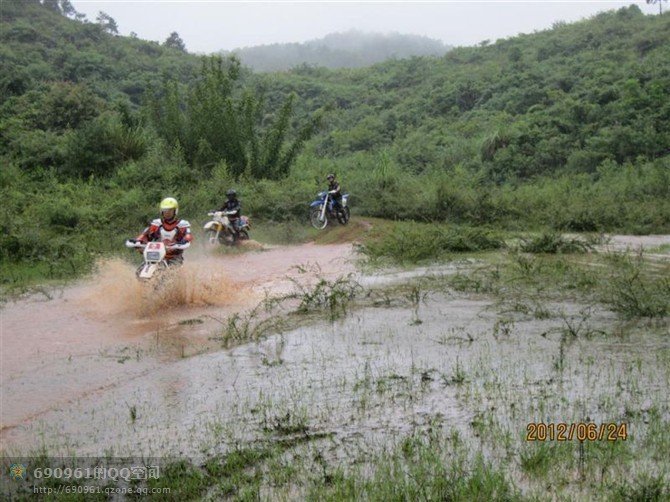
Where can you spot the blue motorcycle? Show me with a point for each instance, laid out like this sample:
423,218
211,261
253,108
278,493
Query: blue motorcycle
323,207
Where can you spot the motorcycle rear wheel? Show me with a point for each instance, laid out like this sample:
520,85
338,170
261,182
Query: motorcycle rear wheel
343,216
315,218
244,235
228,238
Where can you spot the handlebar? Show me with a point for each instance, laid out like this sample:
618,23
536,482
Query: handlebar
133,243
226,213
186,245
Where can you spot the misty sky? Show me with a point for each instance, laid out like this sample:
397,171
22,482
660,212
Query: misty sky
207,26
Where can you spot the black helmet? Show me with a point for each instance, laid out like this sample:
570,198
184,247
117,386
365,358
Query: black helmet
231,194
330,177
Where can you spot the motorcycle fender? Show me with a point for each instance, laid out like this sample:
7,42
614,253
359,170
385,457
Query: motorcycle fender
213,225
148,270
316,203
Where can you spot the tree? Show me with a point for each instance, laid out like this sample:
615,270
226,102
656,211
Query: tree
60,6
659,2
67,8
107,22
218,121
174,41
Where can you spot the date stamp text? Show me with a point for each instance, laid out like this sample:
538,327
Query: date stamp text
580,431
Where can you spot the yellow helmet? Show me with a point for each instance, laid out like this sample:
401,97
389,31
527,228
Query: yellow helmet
168,204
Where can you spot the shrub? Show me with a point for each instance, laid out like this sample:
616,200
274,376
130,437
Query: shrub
415,242
553,243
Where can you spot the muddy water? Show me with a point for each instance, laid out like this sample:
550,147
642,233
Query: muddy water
369,378
105,374
634,242
77,343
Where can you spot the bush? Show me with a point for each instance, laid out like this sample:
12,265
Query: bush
554,243
635,289
415,242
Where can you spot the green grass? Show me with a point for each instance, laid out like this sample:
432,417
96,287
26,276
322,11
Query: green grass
333,297
411,243
19,279
420,467
282,233
637,288
553,243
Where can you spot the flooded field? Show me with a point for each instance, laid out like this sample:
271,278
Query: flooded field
338,381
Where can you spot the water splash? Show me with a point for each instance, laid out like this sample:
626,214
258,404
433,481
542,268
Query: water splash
198,283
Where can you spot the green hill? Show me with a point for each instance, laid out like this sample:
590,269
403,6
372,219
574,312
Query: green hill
565,128
42,45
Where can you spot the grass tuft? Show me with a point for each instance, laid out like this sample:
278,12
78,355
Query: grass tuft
636,288
332,296
555,243
417,242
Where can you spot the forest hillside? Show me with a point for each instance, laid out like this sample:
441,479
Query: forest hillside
565,129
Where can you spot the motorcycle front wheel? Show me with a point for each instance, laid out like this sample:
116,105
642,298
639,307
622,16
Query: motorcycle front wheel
316,220
210,238
157,273
225,238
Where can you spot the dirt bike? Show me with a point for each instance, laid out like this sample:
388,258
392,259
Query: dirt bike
323,207
220,229
154,257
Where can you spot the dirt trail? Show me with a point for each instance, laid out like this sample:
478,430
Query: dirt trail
57,350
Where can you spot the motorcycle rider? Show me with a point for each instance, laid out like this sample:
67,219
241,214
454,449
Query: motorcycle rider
233,204
335,191
168,229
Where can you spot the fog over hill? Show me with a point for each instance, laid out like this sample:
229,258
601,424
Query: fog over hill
351,49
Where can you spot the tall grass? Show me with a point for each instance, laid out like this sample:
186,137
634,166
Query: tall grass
421,467
416,242
637,288
62,222
554,243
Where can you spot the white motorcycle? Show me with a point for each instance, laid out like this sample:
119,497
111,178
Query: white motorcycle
154,257
220,229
